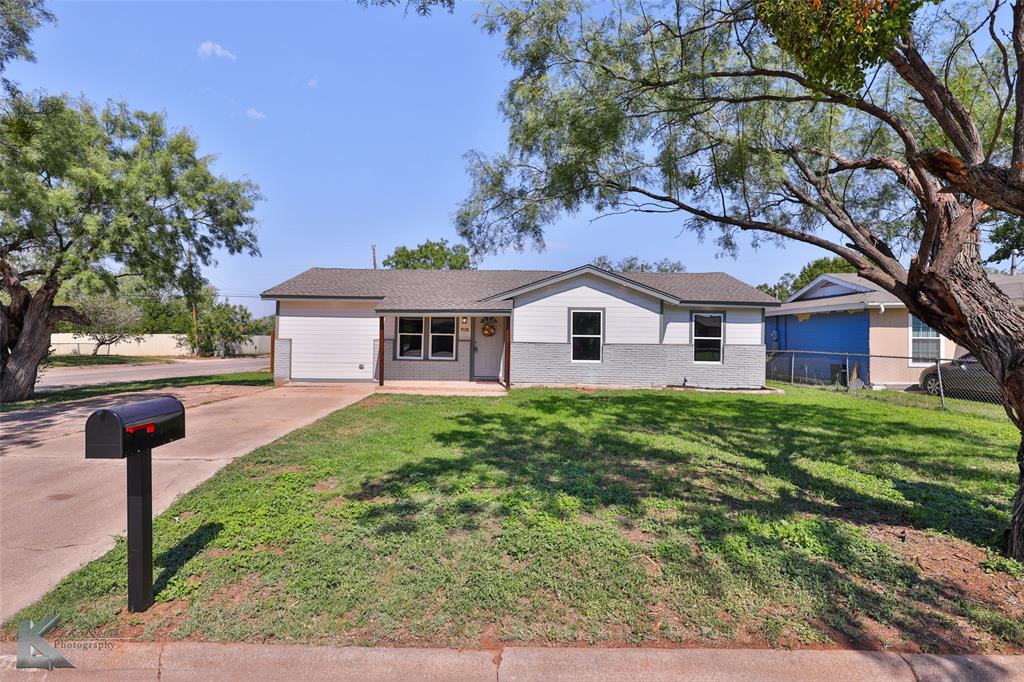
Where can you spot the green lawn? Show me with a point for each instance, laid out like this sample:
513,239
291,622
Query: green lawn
92,360
612,517
60,396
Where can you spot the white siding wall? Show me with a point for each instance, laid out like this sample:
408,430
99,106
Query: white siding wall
743,327
677,325
329,340
630,317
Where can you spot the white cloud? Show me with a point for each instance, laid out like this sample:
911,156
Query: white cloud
255,115
211,49
313,82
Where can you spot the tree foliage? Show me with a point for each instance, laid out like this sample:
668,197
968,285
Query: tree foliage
431,255
18,18
96,195
637,264
222,327
789,283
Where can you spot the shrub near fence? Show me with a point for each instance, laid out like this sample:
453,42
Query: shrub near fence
961,384
151,344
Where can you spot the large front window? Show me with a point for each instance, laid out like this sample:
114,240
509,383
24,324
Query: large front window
442,338
925,343
426,337
586,335
410,337
707,337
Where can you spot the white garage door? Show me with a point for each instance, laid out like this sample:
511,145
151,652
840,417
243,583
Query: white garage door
329,340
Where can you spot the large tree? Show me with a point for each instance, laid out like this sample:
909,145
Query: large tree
881,132
97,195
431,255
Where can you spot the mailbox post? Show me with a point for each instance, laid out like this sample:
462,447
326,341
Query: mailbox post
131,432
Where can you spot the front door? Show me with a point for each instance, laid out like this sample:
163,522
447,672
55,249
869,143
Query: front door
488,339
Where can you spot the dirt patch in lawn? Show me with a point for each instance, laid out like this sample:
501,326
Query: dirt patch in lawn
158,622
372,401
326,484
956,562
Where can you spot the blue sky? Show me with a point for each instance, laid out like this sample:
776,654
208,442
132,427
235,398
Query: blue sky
353,121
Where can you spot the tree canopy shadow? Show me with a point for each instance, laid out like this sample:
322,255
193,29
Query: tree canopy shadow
610,451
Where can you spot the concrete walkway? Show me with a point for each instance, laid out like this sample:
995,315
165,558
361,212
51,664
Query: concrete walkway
69,377
59,511
172,661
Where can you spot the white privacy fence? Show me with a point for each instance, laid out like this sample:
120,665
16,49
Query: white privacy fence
150,344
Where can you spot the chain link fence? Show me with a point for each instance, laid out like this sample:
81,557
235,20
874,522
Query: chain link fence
960,384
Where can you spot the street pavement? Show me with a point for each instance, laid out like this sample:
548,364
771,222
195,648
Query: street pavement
59,511
172,661
70,377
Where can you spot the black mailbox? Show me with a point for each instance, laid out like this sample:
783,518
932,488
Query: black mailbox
131,432
119,432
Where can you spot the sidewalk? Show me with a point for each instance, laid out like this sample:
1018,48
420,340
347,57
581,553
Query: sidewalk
172,661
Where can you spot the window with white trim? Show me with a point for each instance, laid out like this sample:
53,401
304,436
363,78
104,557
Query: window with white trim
925,343
707,337
410,337
586,335
442,338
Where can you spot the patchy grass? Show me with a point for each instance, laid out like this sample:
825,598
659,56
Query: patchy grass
64,395
92,360
979,406
613,517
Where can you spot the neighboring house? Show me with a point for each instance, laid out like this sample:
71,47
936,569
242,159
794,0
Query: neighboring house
580,327
843,313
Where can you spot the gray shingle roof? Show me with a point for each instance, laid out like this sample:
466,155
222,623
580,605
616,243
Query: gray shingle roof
465,290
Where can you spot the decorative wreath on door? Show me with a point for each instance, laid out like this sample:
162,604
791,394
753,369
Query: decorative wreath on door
488,326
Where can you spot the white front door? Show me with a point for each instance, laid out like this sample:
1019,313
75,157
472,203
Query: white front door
487,349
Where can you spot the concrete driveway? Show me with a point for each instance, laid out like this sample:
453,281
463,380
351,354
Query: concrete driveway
68,377
58,511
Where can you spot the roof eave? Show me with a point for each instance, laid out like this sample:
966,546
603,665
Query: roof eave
267,296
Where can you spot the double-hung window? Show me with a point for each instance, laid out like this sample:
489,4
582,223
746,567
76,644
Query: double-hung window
426,338
586,327
410,337
707,337
442,338
925,343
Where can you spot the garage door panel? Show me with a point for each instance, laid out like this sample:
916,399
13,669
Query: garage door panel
331,347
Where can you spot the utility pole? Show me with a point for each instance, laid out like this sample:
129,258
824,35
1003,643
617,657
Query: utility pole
373,250
195,328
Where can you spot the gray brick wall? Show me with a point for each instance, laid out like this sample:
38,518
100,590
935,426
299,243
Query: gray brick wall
283,359
423,370
634,364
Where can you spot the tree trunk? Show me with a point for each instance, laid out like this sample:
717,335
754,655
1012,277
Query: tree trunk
963,304
20,367
96,349
1015,533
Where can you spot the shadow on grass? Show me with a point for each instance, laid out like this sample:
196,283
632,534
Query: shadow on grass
603,449
173,559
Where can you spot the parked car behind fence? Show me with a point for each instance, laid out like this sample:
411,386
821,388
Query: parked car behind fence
926,382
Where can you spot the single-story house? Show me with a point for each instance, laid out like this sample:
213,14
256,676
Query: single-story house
584,326
840,313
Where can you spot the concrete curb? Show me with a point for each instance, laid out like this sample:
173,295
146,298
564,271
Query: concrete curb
173,661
